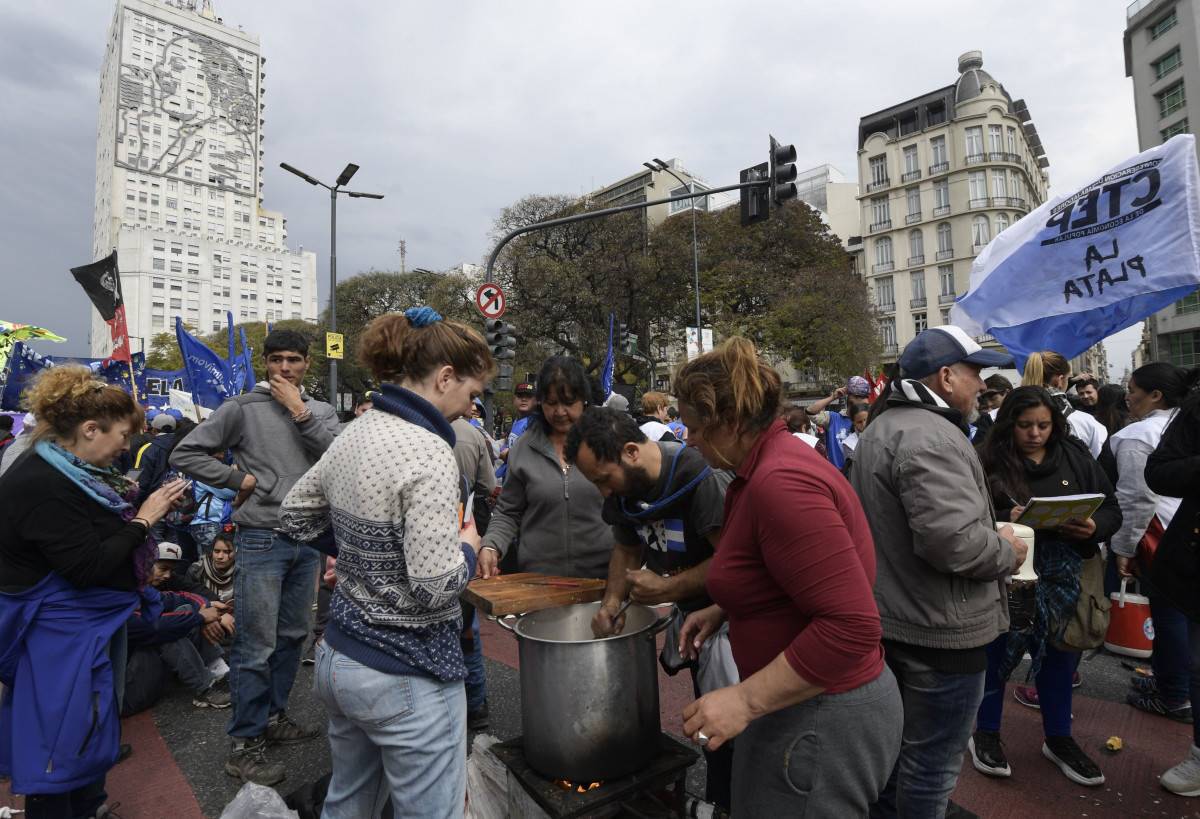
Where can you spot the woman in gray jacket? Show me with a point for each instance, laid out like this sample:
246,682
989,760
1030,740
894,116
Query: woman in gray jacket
549,508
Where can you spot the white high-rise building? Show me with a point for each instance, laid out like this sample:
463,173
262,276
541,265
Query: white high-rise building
179,166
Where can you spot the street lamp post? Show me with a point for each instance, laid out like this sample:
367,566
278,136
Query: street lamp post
334,189
659,165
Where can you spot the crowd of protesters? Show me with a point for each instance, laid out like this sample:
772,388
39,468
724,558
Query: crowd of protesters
840,571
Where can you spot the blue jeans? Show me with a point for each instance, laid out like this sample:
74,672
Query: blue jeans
392,735
273,586
476,679
939,710
1053,683
1171,657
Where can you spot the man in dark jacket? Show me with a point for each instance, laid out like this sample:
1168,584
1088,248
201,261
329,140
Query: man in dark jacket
666,509
276,432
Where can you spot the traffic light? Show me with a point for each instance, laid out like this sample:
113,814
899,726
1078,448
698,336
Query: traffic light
783,172
499,336
755,200
627,341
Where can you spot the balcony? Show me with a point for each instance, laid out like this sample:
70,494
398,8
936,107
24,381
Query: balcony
912,218
942,255
890,349
947,298
886,224
982,202
883,267
939,167
879,185
915,303
914,261
1004,156
910,176
944,210
976,159
889,307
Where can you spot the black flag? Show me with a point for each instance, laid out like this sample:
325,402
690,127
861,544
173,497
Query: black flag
99,280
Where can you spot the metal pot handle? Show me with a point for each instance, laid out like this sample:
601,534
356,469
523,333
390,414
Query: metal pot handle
503,623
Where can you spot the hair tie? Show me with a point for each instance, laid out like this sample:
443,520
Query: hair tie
422,316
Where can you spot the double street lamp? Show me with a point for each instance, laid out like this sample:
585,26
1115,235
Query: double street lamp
658,165
334,189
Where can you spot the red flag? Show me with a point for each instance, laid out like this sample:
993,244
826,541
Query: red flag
120,336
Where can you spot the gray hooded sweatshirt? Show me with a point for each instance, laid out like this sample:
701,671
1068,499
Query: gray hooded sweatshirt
266,443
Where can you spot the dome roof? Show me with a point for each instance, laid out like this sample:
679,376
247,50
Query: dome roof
972,78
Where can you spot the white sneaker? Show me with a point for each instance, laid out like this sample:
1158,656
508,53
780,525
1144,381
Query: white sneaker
1184,778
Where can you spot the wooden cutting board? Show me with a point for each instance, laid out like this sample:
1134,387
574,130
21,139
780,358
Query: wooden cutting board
526,591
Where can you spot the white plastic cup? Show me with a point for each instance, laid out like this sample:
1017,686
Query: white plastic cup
1026,534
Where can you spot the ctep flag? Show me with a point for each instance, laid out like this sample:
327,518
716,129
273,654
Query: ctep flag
1083,266
209,376
606,374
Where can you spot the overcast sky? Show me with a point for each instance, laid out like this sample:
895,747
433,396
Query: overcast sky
456,110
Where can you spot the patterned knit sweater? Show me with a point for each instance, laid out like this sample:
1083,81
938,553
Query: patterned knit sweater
391,490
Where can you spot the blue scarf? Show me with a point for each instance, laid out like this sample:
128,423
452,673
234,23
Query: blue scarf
413,408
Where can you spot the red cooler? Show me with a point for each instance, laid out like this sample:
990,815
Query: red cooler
1130,628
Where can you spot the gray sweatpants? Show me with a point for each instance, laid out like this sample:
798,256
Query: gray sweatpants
828,756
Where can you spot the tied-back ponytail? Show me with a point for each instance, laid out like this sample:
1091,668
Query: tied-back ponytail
1040,367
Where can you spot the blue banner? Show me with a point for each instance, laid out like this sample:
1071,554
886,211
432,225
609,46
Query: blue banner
606,375
24,364
210,377
1083,266
159,383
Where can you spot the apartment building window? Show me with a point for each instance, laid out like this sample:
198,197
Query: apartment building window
938,157
1180,127
977,188
885,293
879,170
1167,63
159,264
941,197
887,334
912,167
1164,25
916,287
157,284
1170,100
996,139
945,315
1018,186
1001,223
883,253
880,213
160,245
1184,349
946,280
916,247
945,245
974,142
912,197
176,304
920,322
981,232
1188,304
1012,140
999,182
176,267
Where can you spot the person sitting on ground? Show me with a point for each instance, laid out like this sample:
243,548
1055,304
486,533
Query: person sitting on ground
213,572
1050,370
213,510
653,419
1029,452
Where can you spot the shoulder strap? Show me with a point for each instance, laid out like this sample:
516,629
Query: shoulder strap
137,462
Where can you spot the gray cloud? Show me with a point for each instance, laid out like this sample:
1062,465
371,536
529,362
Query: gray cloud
456,110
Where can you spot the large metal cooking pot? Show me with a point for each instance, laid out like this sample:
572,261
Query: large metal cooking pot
589,707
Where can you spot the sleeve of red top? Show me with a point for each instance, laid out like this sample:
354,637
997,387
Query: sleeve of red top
808,551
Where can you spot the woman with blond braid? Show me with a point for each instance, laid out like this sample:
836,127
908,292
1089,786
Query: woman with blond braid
817,714
1050,370
74,550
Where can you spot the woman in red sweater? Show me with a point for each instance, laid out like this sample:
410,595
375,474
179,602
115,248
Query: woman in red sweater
793,575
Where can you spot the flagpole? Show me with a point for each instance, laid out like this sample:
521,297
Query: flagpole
128,344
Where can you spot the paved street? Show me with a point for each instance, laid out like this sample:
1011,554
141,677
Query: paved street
179,751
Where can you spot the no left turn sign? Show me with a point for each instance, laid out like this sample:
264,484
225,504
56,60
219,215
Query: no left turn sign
490,300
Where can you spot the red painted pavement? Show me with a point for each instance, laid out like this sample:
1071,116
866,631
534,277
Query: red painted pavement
149,785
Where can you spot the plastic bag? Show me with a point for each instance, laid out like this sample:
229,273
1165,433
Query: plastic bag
257,802
716,666
487,781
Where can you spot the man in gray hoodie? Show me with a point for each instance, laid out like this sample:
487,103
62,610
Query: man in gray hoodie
276,432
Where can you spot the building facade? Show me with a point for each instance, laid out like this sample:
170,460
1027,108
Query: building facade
826,189
1162,57
179,167
939,176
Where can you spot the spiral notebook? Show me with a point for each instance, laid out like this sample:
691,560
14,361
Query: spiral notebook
1047,513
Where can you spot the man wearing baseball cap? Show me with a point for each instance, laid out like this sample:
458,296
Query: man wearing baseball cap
524,406
942,565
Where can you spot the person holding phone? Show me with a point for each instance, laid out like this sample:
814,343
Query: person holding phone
390,670
1030,452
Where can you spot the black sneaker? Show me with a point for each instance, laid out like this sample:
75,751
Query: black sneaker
282,731
215,696
248,762
1155,704
477,720
1072,761
310,653
987,754
1144,685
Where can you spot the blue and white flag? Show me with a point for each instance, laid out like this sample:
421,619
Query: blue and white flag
606,375
24,364
1083,266
209,376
